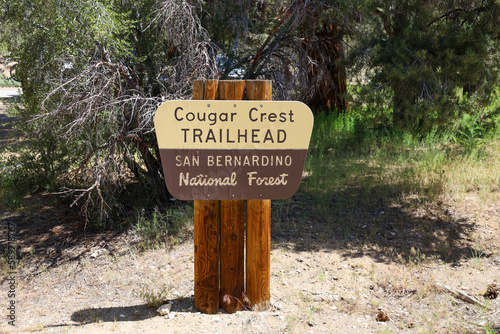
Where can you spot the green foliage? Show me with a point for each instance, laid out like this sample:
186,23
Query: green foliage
32,168
489,330
93,74
476,125
417,56
152,298
359,161
8,82
470,132
58,40
158,229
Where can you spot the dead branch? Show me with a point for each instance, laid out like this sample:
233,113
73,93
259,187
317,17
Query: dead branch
460,294
99,103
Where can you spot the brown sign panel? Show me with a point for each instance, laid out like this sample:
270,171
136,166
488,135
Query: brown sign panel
232,174
223,150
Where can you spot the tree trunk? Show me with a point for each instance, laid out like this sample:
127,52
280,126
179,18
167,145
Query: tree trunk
325,73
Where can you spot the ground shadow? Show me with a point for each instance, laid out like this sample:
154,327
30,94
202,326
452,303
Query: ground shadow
388,230
114,314
130,313
54,234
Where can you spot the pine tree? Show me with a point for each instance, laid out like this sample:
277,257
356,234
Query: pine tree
422,54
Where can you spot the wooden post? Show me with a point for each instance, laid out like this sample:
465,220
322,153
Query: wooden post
232,232
225,220
206,231
258,226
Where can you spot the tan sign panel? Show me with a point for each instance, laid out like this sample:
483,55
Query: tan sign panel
225,150
203,124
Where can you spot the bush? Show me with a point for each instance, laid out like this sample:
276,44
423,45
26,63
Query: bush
158,229
92,79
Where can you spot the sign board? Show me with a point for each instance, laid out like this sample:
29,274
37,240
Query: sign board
223,150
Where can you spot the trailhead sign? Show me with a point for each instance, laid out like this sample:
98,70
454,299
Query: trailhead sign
233,150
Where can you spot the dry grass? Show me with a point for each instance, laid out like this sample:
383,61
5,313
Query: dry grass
479,176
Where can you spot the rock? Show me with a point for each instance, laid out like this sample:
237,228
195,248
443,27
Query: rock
171,315
277,306
98,252
321,296
164,309
482,323
6,213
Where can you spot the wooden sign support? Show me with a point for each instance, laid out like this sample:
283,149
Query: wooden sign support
206,231
232,232
219,228
258,226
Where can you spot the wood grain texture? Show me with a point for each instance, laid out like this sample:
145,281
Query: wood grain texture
258,253
259,89
258,226
232,232
232,255
205,89
231,90
206,231
206,256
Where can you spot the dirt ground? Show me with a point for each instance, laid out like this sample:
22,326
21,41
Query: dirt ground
390,266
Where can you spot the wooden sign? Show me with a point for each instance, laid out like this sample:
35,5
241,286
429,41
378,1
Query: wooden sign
225,150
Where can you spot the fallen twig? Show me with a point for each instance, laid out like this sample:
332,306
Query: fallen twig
461,295
85,279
